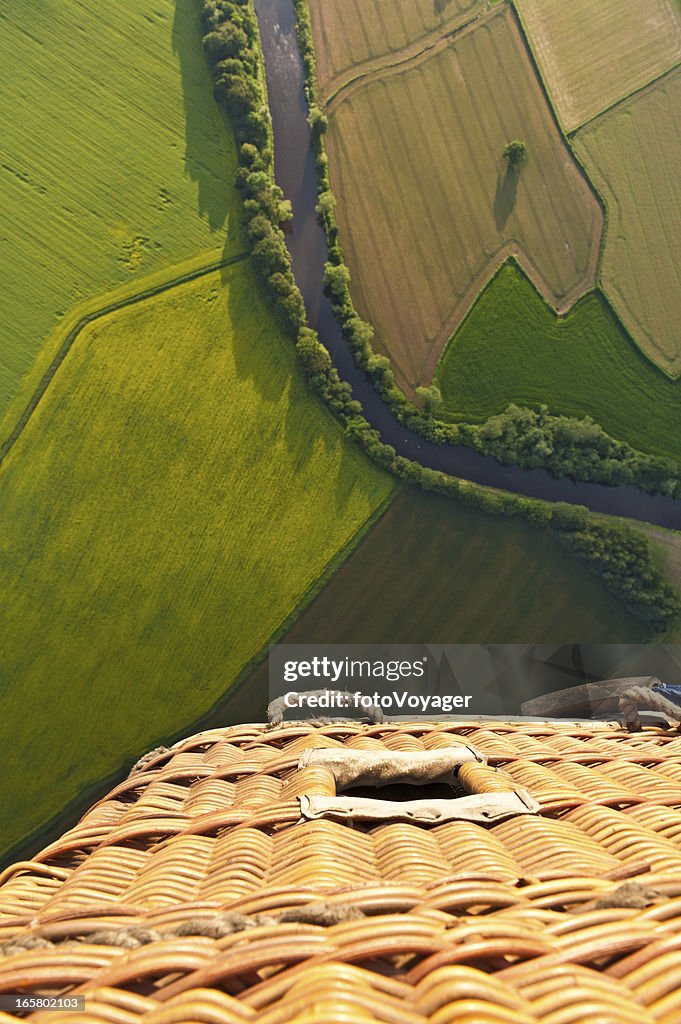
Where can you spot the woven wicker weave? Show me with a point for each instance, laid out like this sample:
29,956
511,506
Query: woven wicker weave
195,891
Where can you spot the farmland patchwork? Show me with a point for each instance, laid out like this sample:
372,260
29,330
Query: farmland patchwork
429,205
175,496
593,54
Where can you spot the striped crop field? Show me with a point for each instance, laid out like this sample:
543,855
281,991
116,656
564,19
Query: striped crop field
114,159
593,53
352,37
633,154
427,205
174,498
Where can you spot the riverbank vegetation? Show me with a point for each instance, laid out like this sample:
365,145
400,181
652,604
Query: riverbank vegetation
174,498
563,444
116,163
647,594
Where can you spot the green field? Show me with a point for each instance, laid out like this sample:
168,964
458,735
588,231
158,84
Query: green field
433,568
592,54
353,37
115,161
427,206
633,154
434,571
512,348
170,503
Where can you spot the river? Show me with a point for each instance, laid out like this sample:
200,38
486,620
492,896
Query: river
296,174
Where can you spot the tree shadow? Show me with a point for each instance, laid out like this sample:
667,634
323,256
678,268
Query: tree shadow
200,129
505,196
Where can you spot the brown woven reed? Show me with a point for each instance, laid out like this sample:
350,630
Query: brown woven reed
195,892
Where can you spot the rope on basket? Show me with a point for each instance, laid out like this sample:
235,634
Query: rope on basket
644,698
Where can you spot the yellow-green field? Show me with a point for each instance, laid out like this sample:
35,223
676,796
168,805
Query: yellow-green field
592,53
172,500
428,207
633,155
114,159
352,37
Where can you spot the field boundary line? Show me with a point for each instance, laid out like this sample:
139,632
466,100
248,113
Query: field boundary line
161,283
601,283
569,137
432,43
567,140
633,95
535,63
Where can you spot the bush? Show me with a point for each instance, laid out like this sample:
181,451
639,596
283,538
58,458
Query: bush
231,45
622,559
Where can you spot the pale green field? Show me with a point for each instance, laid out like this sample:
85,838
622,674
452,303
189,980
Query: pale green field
633,154
593,53
171,502
114,159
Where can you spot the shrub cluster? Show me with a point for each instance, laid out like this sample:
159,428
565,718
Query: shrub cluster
231,43
568,446
621,558
564,445
232,46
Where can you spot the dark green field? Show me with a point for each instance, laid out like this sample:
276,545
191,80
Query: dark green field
434,571
512,348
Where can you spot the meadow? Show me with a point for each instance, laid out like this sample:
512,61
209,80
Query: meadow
428,207
512,348
632,154
432,570
175,497
115,161
584,74
353,37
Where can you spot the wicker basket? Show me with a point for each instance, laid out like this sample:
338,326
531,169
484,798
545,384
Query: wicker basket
198,891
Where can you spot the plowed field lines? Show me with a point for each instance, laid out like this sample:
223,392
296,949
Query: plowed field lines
354,36
586,76
427,208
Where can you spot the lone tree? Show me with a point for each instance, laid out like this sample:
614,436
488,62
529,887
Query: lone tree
515,153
